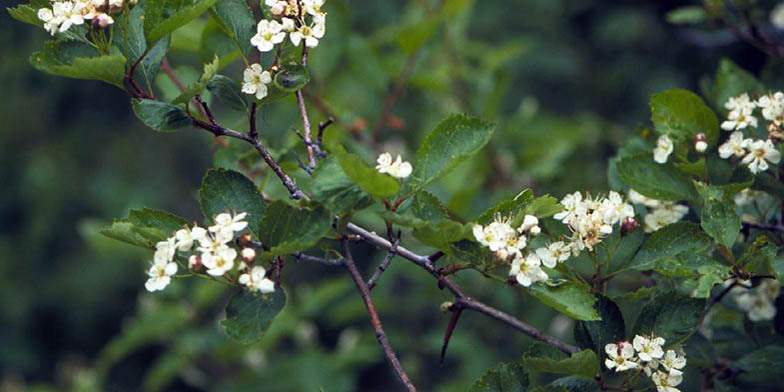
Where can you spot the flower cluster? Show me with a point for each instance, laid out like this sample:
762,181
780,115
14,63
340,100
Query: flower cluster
303,21
213,253
65,14
507,242
754,153
646,353
660,213
397,168
592,219
758,302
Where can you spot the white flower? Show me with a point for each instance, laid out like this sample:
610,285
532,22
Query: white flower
758,301
667,381
760,152
772,107
213,243
648,349
650,367
500,237
51,23
527,270
746,197
159,275
777,16
255,280
741,113
277,7
637,198
288,24
700,146
573,207
663,149
667,213
555,253
165,250
397,169
735,145
621,356
248,254
226,224
185,238
103,19
311,34
614,209
530,224
672,360
220,262
255,81
268,33
313,7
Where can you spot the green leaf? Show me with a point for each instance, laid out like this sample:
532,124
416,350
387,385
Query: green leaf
292,77
288,229
229,191
572,299
657,181
683,114
144,227
510,207
367,178
164,16
160,116
692,14
709,276
134,45
426,206
719,217
670,241
236,19
594,335
335,190
626,249
79,61
455,139
249,315
503,377
763,367
209,71
28,13
543,207
228,91
582,364
440,233
414,35
731,81
768,183
576,384
758,258
671,315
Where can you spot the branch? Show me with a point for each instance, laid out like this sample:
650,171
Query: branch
763,226
427,263
380,335
320,260
383,265
305,120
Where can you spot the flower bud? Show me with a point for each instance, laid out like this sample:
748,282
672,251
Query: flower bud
628,225
445,306
102,20
248,255
535,230
194,261
700,142
529,222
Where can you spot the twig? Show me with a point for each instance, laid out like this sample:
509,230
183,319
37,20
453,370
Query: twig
763,226
380,335
383,265
461,298
305,120
320,137
254,133
320,260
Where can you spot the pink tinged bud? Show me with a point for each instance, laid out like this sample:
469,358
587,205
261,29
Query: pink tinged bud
700,142
248,255
194,261
629,224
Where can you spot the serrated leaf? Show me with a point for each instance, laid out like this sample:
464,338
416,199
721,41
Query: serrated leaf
759,256
228,91
164,16
209,71
657,181
367,178
79,61
503,377
144,227
626,249
227,190
671,315
426,206
582,364
288,229
719,217
572,299
335,190
731,81
543,207
160,116
670,241
455,139
682,114
292,77
594,335
505,208
249,315
134,45
236,19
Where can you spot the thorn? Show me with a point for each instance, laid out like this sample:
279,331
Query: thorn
456,311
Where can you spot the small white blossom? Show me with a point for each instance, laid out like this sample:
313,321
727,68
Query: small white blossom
185,238
397,169
735,145
268,34
557,252
673,360
501,238
313,7
663,149
758,301
637,198
621,356
667,213
527,270
255,81
573,207
309,33
165,250
256,281
220,262
277,7
648,349
614,209
741,113
160,274
530,224
288,24
760,153
226,224
667,381
700,146
248,254
772,107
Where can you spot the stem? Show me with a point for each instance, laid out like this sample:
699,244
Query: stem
305,120
380,335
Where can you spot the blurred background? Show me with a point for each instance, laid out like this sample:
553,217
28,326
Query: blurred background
565,80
